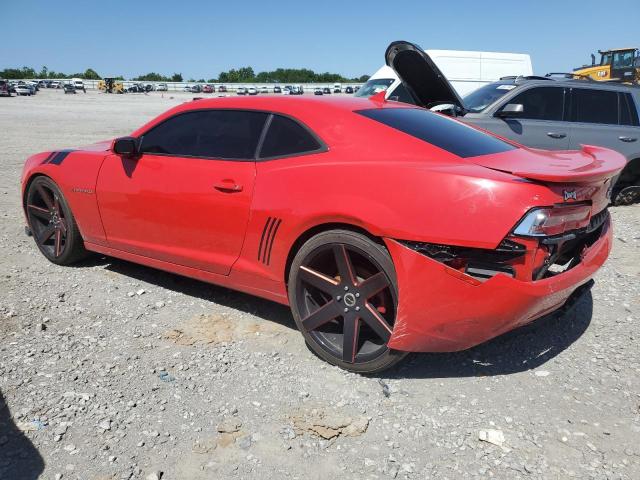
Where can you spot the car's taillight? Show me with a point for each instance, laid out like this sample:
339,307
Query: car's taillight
545,222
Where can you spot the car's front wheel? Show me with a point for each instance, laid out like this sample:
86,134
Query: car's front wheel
343,295
52,224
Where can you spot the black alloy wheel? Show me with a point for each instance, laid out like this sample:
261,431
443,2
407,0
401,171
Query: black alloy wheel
343,295
52,224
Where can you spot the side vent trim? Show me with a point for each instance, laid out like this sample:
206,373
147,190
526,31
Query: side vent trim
269,232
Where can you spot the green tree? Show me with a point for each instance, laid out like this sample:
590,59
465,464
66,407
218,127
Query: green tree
177,77
91,74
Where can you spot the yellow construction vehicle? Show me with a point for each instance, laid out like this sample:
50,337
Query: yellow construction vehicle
111,85
618,65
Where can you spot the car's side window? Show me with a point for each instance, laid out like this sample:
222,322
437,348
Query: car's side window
541,103
628,111
595,106
287,137
228,134
401,94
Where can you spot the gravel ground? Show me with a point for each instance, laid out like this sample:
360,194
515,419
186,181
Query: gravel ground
110,370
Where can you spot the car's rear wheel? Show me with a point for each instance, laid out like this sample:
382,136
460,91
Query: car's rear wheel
343,295
52,224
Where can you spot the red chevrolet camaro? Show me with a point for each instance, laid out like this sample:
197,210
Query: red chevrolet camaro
385,227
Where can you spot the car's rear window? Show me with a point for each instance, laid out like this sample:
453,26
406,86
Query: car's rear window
448,134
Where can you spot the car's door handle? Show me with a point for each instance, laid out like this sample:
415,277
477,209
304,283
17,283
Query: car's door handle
556,135
627,139
228,186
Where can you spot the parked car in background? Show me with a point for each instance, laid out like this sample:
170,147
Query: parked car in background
69,88
161,87
551,112
22,89
56,84
252,91
337,88
78,84
241,91
348,89
197,88
326,91
4,88
264,89
208,89
317,91
356,88
277,89
222,89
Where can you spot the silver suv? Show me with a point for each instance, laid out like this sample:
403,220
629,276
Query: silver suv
553,113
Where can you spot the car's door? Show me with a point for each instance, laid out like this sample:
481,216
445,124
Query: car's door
606,118
186,198
541,124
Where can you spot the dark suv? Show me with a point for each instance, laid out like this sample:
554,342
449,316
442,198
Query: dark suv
552,112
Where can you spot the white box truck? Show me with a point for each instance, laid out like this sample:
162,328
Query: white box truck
465,70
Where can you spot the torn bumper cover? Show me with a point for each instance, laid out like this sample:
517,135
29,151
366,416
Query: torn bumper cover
444,310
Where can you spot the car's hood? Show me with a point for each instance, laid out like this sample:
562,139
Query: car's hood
420,75
103,146
587,165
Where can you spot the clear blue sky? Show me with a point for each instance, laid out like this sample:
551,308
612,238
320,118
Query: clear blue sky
200,38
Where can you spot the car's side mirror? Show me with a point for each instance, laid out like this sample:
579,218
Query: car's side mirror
126,146
511,110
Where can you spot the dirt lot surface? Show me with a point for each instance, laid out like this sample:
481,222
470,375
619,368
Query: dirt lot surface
110,370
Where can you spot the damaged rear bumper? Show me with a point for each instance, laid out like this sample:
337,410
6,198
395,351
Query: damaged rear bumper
443,310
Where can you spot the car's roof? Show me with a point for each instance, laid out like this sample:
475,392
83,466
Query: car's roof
321,114
566,81
299,105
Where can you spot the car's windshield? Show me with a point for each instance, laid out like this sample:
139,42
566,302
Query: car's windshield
374,86
484,96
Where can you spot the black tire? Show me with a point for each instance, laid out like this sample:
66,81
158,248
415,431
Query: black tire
319,295
52,223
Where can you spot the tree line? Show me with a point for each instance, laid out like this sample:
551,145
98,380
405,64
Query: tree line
239,75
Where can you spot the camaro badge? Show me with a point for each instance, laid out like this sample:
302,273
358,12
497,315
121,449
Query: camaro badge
569,195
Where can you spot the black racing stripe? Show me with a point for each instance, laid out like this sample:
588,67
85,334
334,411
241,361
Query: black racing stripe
60,156
46,160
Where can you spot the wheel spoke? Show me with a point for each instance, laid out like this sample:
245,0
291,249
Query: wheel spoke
343,262
44,195
318,280
321,316
379,325
350,338
63,226
39,212
47,233
374,284
58,248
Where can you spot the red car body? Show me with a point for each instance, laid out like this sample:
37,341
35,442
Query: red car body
239,223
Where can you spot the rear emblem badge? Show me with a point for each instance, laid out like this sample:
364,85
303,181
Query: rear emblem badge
569,195
349,299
